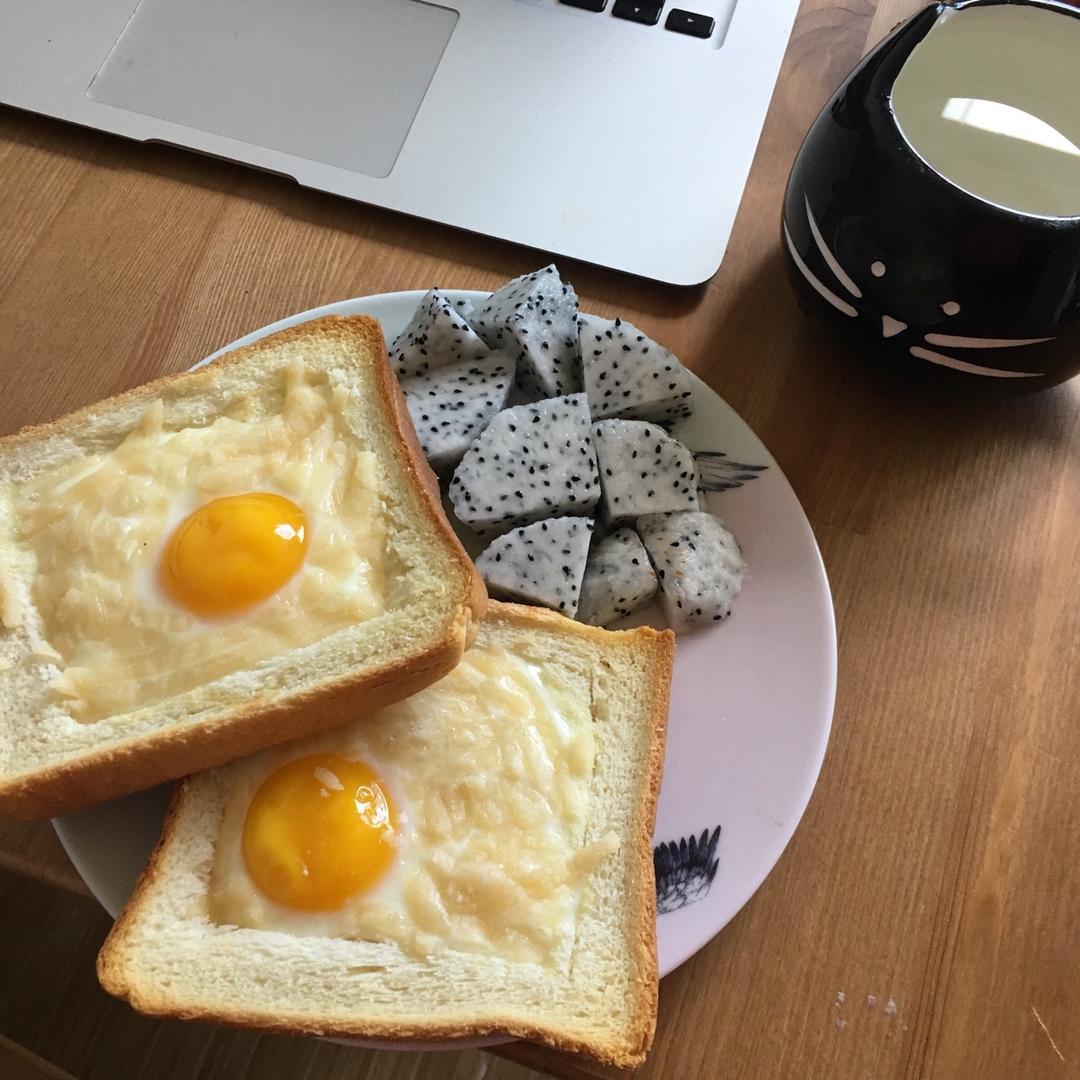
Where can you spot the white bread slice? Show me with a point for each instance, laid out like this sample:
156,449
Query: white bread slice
167,958
50,763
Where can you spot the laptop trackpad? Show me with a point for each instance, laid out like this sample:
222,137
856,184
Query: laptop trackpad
334,81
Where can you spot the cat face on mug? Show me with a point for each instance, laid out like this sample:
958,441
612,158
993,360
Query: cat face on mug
928,320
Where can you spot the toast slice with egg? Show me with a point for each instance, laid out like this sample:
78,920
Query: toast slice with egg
216,562
474,861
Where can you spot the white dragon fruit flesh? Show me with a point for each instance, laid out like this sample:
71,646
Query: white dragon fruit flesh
643,470
451,406
537,315
618,579
627,374
438,335
541,563
699,565
533,461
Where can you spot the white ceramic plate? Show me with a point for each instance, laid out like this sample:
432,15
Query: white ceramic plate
751,700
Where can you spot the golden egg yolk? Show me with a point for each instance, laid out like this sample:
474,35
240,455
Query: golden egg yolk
319,830
234,552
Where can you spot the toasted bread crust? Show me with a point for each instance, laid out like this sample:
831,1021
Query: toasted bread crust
658,648
266,719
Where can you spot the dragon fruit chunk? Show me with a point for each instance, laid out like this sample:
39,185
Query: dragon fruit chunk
537,315
627,374
451,406
437,335
699,565
618,579
643,470
533,461
541,563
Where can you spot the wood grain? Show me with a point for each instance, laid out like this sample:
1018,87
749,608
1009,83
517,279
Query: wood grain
18,1063
922,924
34,850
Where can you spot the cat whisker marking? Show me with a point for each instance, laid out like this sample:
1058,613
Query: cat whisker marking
819,287
959,342
971,369
830,259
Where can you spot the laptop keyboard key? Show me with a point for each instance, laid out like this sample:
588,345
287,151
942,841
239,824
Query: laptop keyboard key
639,11
688,22
587,5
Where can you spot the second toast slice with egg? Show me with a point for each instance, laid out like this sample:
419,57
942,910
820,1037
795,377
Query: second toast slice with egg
474,860
217,562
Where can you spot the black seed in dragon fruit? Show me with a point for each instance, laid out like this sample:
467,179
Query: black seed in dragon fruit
532,462
536,314
452,405
699,565
438,335
618,579
643,470
628,375
541,563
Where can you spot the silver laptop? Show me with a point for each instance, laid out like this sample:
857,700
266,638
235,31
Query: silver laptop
620,136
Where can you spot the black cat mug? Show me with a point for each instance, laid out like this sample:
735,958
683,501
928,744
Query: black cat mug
934,206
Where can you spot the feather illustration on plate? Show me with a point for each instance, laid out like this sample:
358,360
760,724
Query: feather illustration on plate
717,472
685,870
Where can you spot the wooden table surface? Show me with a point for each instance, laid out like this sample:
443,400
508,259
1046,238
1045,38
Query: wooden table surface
923,922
